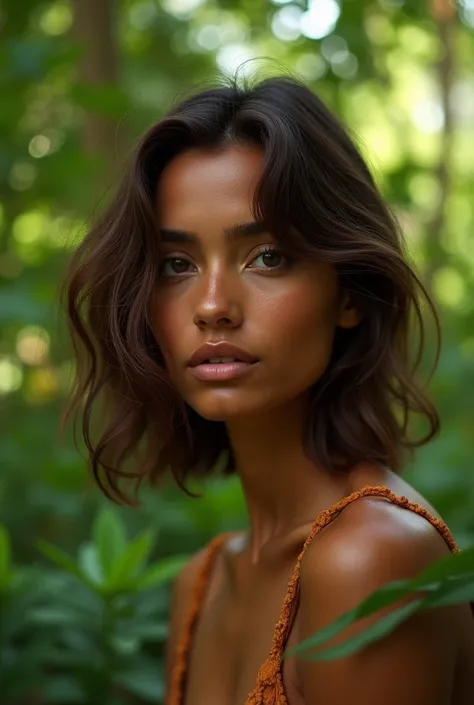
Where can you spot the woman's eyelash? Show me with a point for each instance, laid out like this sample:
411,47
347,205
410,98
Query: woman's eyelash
264,249
273,250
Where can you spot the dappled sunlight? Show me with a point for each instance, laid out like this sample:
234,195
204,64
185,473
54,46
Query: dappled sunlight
450,288
11,375
320,19
32,345
56,18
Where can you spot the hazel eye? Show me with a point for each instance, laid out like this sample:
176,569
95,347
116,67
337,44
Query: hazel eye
178,265
272,258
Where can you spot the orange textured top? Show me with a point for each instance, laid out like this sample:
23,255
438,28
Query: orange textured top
269,688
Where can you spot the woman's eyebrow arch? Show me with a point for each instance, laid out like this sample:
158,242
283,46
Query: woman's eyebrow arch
233,232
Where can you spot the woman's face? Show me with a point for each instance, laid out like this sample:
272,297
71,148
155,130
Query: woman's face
214,287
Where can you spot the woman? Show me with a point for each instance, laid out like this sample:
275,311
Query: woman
247,291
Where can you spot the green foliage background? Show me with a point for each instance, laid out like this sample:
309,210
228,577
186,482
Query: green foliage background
79,82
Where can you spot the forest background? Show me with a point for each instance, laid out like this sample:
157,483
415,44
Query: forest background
85,622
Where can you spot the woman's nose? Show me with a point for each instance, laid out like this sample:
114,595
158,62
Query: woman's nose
218,304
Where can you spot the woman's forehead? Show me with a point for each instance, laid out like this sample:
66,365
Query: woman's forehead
233,169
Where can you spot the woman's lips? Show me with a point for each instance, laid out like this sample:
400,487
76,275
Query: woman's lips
221,371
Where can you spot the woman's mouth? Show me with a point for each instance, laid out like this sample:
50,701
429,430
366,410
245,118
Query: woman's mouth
217,369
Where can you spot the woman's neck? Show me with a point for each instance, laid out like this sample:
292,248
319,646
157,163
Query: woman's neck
283,488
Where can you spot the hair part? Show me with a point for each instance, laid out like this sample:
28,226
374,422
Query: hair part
319,200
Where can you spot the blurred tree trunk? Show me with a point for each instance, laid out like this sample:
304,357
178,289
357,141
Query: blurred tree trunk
94,32
444,14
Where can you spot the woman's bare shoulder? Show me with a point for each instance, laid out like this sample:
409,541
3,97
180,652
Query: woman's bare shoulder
375,533
371,543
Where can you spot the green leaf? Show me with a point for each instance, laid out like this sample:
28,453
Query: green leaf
448,566
61,559
63,689
430,580
128,565
5,553
142,682
152,630
88,560
161,572
109,538
454,591
125,645
56,615
454,575
385,596
376,631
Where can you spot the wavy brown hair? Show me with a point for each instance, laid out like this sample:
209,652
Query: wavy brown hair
319,200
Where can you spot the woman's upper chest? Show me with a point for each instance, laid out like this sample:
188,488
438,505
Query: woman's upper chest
235,630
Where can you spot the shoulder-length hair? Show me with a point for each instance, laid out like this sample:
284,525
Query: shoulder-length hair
319,200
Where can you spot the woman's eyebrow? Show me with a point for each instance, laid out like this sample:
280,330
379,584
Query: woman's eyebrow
231,233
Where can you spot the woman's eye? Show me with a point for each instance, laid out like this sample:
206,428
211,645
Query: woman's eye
177,264
271,258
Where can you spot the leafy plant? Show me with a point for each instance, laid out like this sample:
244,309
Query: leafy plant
21,644
449,581
101,616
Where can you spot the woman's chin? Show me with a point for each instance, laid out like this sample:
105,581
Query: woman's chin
224,409
219,415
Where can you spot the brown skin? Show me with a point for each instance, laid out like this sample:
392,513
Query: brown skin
285,314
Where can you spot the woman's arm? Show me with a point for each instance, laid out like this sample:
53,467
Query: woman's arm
369,545
180,603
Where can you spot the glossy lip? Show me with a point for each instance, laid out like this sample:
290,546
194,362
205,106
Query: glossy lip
222,349
221,371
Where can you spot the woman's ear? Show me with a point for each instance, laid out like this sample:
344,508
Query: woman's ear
349,314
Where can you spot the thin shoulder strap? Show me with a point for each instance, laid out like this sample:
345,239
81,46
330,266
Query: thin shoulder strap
284,624
198,594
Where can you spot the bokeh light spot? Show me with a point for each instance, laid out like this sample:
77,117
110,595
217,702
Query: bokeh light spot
32,345
449,287
181,8
56,19
22,176
39,146
286,23
311,67
142,14
11,375
320,19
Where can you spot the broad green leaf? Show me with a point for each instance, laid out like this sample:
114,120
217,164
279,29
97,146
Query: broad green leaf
376,631
430,580
89,562
109,538
454,591
450,565
129,563
385,596
323,635
61,559
5,553
161,572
